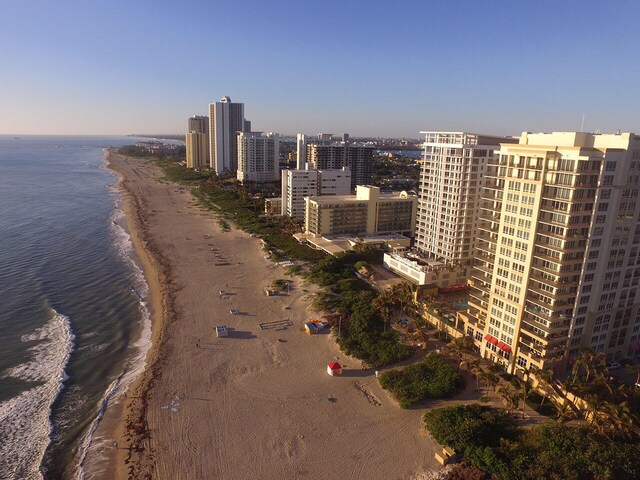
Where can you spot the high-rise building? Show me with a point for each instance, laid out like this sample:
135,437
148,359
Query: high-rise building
258,156
197,150
226,119
322,155
451,181
198,124
558,263
301,151
304,140
298,184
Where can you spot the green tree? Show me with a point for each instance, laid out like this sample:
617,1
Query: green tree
510,397
545,379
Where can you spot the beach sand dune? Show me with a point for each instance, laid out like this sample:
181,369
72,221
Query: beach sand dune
255,404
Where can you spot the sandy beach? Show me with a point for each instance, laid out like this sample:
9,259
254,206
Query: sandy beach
257,404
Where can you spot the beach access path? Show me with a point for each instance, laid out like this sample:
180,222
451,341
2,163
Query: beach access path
255,404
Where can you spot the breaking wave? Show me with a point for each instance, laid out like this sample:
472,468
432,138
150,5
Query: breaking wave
25,420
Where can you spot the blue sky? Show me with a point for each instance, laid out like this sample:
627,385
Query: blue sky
366,67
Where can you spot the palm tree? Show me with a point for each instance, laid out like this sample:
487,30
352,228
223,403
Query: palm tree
477,370
457,348
594,406
402,293
545,378
491,379
585,360
621,422
565,411
510,397
384,303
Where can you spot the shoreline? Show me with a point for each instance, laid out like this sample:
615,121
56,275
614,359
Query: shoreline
207,407
123,423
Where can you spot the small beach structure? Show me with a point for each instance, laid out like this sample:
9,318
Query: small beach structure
311,328
315,326
334,369
222,331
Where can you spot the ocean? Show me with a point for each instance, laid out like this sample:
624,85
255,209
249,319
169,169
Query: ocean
74,325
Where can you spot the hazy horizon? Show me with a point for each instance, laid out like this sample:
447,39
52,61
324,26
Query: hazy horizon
367,68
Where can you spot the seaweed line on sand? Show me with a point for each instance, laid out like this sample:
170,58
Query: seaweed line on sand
140,457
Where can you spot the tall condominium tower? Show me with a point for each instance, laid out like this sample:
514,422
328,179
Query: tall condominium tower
335,155
226,119
258,156
451,181
304,140
197,150
558,267
198,124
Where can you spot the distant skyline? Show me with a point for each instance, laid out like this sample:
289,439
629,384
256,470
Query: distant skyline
370,68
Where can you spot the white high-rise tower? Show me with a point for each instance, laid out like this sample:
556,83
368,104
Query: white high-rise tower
226,120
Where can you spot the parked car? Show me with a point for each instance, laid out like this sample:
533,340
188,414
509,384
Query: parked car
613,366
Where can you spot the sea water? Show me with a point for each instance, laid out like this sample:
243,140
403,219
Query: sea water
74,325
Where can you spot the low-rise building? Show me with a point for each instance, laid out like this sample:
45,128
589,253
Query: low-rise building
298,184
367,212
426,271
273,206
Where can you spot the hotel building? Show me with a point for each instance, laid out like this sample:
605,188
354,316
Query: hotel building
451,182
258,156
368,212
558,264
226,120
298,184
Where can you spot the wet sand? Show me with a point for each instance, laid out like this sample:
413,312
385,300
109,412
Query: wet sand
257,404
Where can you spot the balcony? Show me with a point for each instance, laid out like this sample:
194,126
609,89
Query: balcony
493,228
474,317
478,304
485,246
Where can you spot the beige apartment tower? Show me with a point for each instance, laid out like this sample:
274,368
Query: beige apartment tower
197,150
558,264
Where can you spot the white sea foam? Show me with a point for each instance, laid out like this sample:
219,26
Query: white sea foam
25,424
135,365
140,289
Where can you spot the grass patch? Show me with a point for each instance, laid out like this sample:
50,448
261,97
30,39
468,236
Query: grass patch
536,402
431,378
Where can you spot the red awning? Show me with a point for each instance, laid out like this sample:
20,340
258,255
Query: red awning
504,347
491,339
